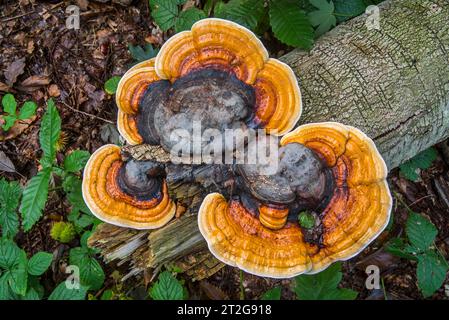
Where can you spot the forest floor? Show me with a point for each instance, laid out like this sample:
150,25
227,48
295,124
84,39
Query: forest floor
45,59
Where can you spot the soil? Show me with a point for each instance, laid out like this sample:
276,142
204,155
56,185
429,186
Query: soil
72,66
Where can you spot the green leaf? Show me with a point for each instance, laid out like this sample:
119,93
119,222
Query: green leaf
28,110
140,54
164,13
49,133
76,160
167,288
10,193
290,24
248,13
61,292
72,186
9,254
306,220
9,104
323,285
422,160
5,290
272,294
323,18
19,275
34,198
31,294
39,263
9,122
91,273
397,247
346,9
111,84
420,231
409,172
187,18
431,272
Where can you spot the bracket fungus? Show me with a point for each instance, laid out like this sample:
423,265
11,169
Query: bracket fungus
219,74
329,169
325,201
131,194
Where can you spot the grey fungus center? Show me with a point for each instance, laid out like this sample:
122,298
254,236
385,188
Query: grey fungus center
205,99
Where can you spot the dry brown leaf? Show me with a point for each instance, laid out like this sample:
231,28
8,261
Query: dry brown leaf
6,163
34,82
4,87
14,70
213,292
16,129
53,90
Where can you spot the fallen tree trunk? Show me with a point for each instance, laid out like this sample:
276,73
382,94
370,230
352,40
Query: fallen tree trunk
392,83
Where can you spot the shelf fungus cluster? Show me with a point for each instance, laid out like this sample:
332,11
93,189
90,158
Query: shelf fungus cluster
219,75
330,170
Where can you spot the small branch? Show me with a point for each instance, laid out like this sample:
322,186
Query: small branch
87,114
17,17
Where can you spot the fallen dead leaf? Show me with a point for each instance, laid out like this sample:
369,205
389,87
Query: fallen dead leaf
14,70
6,163
53,90
4,87
382,259
213,292
34,82
17,129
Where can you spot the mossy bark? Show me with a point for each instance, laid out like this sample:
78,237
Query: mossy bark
392,83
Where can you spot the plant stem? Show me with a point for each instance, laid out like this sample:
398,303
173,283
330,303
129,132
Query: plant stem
242,289
383,288
399,198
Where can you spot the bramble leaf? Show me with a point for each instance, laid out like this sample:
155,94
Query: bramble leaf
62,292
76,160
323,285
290,24
346,9
248,13
323,18
39,263
34,198
167,288
431,272
187,18
422,160
164,13
420,231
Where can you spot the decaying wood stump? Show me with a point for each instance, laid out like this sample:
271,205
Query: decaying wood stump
392,83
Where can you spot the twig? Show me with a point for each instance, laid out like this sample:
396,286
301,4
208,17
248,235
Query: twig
18,16
87,114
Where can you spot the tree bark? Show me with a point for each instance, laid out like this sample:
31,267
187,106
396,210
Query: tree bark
392,83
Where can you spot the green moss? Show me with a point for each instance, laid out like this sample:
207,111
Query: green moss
63,232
